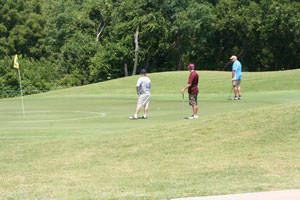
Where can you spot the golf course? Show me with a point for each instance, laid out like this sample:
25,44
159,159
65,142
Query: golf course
78,143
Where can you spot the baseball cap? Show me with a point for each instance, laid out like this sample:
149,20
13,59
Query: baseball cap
191,66
143,71
232,57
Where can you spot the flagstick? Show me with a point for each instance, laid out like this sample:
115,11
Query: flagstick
21,93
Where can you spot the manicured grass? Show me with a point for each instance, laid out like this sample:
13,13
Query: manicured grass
57,152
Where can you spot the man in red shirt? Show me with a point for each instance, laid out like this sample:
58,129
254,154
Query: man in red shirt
192,90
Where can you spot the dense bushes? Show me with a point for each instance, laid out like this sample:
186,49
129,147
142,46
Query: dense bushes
37,76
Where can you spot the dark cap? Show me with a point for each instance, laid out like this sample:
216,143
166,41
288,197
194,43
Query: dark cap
143,71
191,66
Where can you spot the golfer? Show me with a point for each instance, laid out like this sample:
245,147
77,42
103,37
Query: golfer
236,77
143,86
192,90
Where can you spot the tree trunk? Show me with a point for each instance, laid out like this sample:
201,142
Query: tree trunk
126,69
179,61
100,29
241,53
218,55
136,41
148,60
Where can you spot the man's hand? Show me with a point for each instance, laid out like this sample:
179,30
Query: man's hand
186,87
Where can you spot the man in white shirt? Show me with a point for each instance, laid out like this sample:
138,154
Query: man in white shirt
143,86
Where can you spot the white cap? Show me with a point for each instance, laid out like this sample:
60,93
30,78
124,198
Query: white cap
233,57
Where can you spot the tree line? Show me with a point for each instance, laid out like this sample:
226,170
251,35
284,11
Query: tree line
64,43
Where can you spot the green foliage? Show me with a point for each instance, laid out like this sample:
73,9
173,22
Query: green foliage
263,34
281,24
88,41
36,76
191,22
195,24
22,29
75,57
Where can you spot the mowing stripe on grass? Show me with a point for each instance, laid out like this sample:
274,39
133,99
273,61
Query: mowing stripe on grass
27,119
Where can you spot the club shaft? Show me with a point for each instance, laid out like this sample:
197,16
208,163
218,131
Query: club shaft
230,93
182,106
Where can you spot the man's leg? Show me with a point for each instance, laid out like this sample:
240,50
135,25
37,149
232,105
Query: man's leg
240,95
146,105
138,109
239,89
146,110
234,85
235,91
195,110
139,105
193,103
135,116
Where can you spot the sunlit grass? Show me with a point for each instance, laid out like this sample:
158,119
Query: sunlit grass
245,146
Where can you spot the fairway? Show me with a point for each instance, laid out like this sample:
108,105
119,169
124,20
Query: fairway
79,143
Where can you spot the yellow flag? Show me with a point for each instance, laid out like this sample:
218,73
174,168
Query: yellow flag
16,62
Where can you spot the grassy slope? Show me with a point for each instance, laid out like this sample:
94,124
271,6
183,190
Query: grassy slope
270,87
209,82
253,148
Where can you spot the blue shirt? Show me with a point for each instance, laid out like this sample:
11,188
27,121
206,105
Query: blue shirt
237,67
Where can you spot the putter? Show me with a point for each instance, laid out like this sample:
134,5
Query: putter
182,106
147,99
230,94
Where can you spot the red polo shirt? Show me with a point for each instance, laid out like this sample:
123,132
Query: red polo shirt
193,80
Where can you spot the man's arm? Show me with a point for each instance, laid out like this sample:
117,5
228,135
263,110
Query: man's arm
233,74
234,70
188,85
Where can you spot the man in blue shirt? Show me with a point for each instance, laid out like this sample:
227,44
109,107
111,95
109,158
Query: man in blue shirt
236,77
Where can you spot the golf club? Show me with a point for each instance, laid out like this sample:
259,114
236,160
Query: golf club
229,97
182,106
146,99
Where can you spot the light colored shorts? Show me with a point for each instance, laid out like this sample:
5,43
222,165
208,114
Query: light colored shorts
193,99
143,100
236,83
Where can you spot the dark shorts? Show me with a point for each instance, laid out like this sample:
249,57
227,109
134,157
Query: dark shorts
193,99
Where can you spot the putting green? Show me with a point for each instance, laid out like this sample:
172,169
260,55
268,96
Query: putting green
106,106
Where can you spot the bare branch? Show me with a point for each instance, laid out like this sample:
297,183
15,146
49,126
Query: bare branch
136,41
126,69
100,28
242,52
